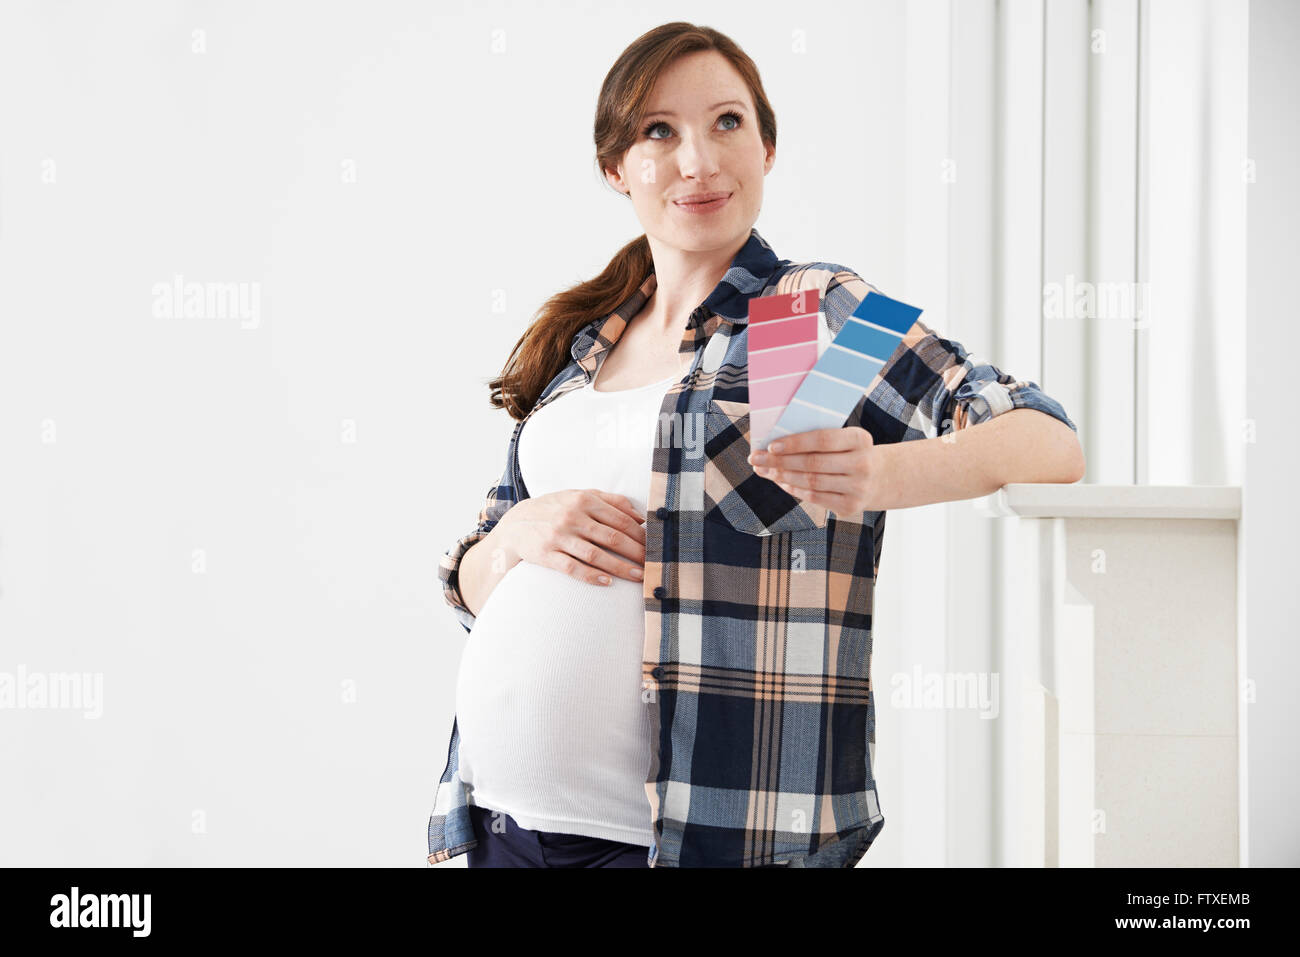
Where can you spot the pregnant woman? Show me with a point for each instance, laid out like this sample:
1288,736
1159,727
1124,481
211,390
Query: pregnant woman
670,640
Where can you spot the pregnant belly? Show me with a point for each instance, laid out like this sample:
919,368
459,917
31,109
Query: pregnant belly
552,670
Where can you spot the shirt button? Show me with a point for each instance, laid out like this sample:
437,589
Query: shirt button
661,512
658,672
659,591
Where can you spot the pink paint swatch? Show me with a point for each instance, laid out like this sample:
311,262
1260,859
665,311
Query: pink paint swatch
782,348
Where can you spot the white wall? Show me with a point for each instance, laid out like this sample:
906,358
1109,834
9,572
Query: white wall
1271,517
1194,251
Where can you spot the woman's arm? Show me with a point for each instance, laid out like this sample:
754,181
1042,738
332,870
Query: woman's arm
1020,445
938,424
846,471
500,499
947,425
481,569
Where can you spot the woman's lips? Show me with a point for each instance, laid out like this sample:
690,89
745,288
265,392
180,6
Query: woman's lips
708,207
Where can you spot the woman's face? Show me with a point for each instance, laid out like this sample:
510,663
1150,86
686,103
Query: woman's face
699,136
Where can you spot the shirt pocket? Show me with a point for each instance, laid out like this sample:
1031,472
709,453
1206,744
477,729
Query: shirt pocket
734,494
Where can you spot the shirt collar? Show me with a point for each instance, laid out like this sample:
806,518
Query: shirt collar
747,276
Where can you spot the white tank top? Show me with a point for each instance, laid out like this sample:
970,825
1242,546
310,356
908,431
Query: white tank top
553,729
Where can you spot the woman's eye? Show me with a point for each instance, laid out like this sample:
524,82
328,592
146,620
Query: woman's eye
735,117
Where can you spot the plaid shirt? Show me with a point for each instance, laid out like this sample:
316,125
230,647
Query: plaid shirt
757,648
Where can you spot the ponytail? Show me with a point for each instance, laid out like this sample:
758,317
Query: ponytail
544,348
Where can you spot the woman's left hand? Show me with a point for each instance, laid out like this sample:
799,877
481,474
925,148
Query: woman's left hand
840,469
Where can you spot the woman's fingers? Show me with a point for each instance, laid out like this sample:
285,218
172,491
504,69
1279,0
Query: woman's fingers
623,504
610,531
586,561
630,531
595,533
818,481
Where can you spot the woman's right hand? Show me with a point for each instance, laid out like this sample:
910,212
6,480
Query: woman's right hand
565,530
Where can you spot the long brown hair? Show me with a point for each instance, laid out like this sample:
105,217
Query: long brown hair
543,350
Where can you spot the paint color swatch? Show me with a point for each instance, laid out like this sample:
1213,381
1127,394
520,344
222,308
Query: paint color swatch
782,345
845,371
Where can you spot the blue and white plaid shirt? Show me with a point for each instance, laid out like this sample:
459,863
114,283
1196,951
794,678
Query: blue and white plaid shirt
757,649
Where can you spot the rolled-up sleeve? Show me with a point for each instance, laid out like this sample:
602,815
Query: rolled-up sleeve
931,385
986,391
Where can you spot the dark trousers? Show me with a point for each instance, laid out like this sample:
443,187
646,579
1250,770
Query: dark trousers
509,845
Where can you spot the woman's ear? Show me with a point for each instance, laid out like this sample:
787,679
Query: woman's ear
615,179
